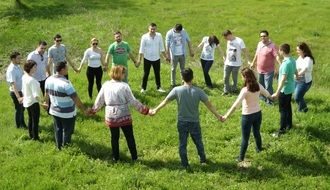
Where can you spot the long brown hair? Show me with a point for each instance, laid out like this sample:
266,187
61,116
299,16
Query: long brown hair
250,80
306,50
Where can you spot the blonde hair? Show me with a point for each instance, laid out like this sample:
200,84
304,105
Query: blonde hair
94,39
117,72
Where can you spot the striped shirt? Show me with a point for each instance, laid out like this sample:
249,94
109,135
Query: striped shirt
61,92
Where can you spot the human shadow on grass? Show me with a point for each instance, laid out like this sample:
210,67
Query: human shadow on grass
300,166
251,173
319,132
54,9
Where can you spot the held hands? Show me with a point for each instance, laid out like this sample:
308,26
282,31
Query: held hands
89,112
274,96
45,105
152,112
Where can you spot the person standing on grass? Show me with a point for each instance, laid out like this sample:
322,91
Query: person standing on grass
32,96
94,55
188,97
176,40
117,96
120,51
209,44
251,112
265,59
304,65
40,57
56,54
150,48
286,86
64,99
14,75
233,60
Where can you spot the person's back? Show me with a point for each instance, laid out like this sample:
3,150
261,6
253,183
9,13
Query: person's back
188,98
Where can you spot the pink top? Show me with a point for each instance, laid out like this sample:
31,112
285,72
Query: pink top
266,55
250,100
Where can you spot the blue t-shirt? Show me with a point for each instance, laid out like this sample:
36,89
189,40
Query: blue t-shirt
188,98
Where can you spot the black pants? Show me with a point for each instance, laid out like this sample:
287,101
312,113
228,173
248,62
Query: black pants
206,65
33,125
146,68
19,110
128,132
285,111
91,74
42,86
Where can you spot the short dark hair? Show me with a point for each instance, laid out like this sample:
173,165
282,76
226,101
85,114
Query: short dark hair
187,75
117,32
29,64
14,55
178,27
59,66
57,36
41,42
153,24
264,31
285,48
226,33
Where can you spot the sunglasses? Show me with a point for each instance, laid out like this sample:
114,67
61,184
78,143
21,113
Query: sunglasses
58,40
95,44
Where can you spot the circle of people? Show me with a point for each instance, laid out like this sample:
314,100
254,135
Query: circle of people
46,75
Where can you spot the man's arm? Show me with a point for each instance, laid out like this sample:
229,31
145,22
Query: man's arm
160,106
209,106
71,63
49,64
131,56
18,96
190,49
279,87
80,105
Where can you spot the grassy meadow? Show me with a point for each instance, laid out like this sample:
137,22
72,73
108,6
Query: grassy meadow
297,160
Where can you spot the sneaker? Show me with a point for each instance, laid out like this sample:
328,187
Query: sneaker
161,90
143,91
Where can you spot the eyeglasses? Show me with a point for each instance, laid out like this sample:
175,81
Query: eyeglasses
263,36
58,40
95,44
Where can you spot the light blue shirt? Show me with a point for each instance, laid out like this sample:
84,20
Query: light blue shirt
14,75
172,42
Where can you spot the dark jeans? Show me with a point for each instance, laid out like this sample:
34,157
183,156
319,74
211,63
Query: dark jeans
250,121
206,65
285,111
300,91
266,80
193,128
91,74
33,125
146,68
128,132
42,86
19,110
63,128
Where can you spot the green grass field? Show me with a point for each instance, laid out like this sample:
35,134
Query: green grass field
297,160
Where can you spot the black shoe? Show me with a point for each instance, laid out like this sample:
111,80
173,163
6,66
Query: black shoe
238,159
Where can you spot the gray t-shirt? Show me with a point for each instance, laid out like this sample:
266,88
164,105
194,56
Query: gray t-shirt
188,98
57,53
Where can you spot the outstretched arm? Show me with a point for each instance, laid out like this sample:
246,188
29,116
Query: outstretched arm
160,106
209,106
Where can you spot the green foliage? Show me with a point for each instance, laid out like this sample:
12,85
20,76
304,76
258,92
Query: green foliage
298,160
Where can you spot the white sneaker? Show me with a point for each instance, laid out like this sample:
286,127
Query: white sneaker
161,90
143,91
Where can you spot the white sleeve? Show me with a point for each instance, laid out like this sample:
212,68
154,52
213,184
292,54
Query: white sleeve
86,55
161,43
242,44
142,45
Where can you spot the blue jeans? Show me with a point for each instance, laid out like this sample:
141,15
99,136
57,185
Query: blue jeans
230,70
63,128
193,128
266,80
206,65
250,121
19,110
299,93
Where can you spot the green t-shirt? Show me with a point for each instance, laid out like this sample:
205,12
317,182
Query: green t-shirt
288,68
188,98
119,53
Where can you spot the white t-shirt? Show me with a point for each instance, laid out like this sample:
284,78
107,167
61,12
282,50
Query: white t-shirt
234,51
178,43
151,47
31,90
41,61
305,63
208,51
94,58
